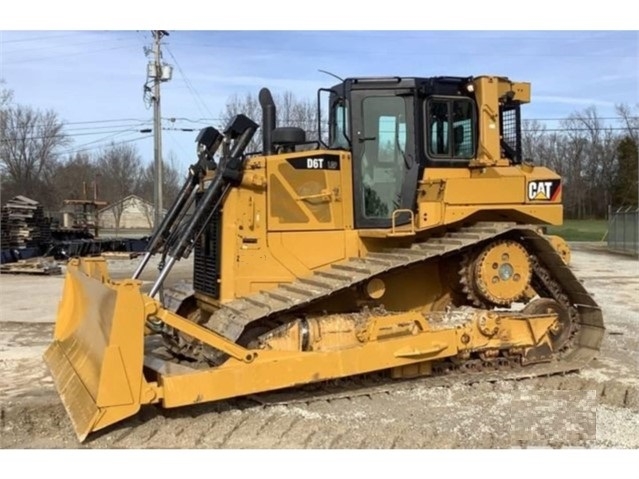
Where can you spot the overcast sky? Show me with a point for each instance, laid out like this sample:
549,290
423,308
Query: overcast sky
93,79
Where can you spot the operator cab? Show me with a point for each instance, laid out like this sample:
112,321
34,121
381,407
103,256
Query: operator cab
395,127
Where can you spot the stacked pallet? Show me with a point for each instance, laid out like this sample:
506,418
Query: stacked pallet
46,266
23,224
5,234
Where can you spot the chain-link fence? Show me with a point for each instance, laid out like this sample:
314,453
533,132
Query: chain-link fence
623,230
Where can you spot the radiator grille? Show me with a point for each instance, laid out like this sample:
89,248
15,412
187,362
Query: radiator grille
206,262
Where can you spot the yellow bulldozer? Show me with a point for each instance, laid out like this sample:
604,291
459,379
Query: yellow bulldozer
407,238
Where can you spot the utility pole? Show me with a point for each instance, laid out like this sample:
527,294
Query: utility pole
157,130
159,73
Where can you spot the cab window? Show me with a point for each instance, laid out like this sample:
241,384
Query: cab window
450,128
383,161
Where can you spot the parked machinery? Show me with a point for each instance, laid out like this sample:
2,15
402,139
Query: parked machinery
408,238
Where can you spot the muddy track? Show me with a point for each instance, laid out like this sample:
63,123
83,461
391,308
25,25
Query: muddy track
552,279
551,276
410,414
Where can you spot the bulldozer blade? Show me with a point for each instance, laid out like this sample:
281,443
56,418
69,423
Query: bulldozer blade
96,357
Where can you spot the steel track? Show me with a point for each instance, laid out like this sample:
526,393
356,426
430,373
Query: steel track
551,278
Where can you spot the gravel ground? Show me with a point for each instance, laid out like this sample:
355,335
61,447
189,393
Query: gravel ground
595,408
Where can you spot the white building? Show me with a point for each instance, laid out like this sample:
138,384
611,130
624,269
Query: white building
128,213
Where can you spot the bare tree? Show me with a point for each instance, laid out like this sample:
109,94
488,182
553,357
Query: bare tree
291,111
533,140
301,113
626,176
73,178
172,181
249,106
29,144
629,117
626,186
6,96
120,170
594,161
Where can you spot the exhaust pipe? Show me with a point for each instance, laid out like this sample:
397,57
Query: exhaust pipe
269,120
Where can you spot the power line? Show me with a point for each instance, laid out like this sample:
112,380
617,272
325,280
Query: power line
606,118
605,128
103,139
214,119
179,145
166,128
32,39
96,129
49,46
106,121
309,124
199,120
189,85
95,147
26,60
113,120
205,120
61,135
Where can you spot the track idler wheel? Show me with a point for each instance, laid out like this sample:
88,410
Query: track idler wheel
498,274
560,333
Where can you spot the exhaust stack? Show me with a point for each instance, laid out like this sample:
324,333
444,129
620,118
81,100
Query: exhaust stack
269,120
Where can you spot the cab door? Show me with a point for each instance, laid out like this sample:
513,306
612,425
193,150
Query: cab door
385,171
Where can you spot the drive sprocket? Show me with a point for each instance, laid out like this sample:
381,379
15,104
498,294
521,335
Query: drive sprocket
496,275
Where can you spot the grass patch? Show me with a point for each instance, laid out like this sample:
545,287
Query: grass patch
580,230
